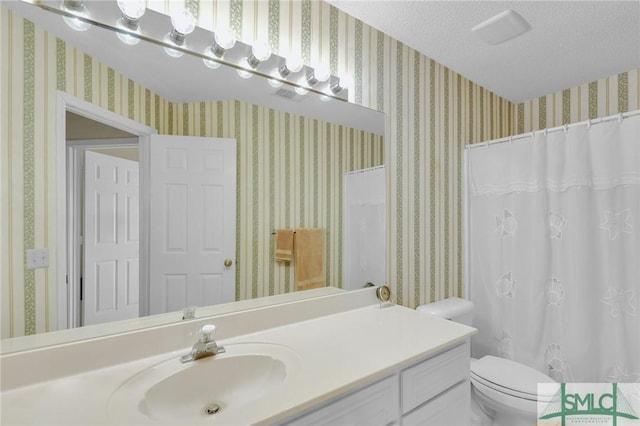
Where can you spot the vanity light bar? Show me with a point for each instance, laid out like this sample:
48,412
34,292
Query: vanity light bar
276,69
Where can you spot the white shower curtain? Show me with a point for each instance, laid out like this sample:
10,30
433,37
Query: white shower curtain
554,255
365,215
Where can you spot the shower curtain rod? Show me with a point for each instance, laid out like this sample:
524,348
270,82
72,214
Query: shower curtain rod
621,116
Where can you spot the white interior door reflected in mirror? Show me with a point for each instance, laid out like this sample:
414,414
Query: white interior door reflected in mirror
365,244
111,243
192,191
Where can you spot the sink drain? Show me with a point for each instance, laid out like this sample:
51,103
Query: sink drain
212,409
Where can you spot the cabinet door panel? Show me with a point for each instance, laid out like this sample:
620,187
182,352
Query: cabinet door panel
451,408
374,405
432,376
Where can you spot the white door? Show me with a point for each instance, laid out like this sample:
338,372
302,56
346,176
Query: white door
365,242
111,239
192,226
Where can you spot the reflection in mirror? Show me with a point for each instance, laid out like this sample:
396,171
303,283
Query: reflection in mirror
292,154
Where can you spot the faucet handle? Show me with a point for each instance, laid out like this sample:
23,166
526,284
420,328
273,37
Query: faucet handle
206,333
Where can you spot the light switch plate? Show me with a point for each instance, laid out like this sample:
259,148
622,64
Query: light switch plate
37,258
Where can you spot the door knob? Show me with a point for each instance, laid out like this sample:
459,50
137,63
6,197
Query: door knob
228,263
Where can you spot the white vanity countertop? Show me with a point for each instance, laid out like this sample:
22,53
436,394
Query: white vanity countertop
337,352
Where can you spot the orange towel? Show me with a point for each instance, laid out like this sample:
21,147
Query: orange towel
284,245
309,258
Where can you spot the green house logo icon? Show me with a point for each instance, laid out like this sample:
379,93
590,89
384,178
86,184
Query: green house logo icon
568,403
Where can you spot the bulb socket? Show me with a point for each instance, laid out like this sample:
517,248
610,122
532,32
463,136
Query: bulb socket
130,23
253,61
177,37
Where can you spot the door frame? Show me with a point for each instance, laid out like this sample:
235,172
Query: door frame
64,218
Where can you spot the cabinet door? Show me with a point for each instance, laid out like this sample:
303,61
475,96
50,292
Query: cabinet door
377,404
452,408
429,378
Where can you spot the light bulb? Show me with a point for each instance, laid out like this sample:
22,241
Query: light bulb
76,24
293,63
276,84
318,73
224,38
321,72
210,63
325,98
77,8
125,37
301,91
245,66
260,52
169,51
183,22
132,9
345,81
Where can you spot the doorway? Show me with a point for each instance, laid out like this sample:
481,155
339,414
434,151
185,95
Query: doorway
190,187
83,127
103,199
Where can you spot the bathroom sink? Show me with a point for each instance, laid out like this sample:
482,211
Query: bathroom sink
196,391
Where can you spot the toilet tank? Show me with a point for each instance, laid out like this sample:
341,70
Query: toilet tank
453,308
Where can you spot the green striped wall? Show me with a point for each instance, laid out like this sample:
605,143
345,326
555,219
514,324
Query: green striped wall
290,175
431,113
600,98
35,65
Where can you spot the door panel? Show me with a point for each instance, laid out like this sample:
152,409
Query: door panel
111,246
193,222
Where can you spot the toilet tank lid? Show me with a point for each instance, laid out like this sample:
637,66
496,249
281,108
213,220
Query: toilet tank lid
447,308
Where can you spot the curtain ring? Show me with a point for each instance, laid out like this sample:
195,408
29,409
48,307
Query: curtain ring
589,124
510,140
545,132
565,128
620,118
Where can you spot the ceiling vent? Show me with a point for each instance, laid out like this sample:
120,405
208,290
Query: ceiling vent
501,27
284,93
288,94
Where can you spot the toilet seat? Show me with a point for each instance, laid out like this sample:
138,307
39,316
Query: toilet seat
506,380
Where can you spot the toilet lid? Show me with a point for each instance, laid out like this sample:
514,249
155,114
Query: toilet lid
507,375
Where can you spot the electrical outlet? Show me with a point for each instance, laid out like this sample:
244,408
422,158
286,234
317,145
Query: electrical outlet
37,258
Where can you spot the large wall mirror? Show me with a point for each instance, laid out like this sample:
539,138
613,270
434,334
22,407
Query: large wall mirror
292,151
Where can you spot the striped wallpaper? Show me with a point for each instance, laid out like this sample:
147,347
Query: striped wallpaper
290,175
34,66
431,113
601,98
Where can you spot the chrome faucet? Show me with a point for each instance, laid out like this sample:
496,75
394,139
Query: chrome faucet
205,346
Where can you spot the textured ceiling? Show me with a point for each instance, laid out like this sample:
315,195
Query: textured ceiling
570,42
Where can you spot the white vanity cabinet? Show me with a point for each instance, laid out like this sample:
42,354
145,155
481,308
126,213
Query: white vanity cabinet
434,391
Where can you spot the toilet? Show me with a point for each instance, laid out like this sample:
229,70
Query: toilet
503,392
